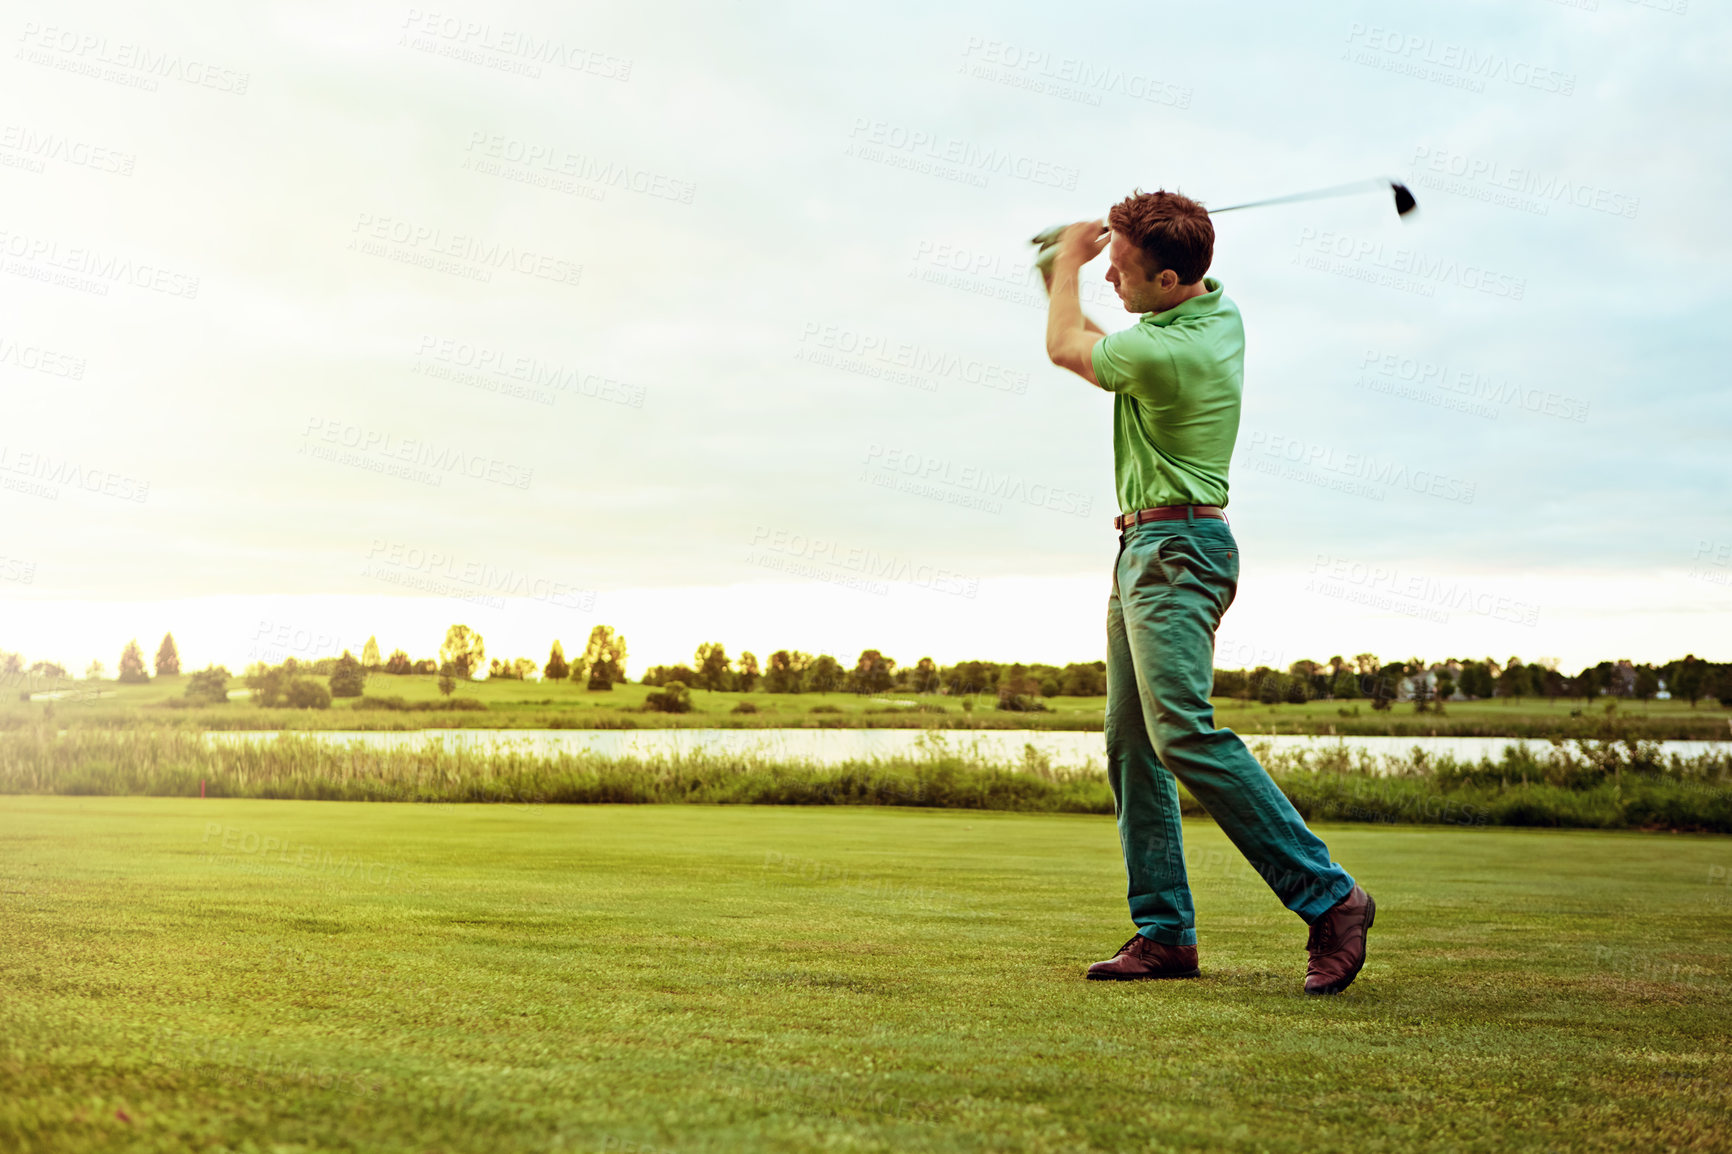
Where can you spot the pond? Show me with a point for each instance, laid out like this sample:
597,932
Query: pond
833,746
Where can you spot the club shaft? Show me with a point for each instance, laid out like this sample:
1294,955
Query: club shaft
1315,194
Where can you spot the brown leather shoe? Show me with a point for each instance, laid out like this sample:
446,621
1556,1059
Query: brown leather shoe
1337,944
1141,958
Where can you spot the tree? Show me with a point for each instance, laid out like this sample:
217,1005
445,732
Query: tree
1018,692
370,655
557,667
1346,685
711,662
447,684
285,685
787,671
925,678
464,652
209,686
95,671
1647,682
399,663
1366,664
826,674
1515,681
167,658
872,673
747,677
132,670
349,678
604,658
673,697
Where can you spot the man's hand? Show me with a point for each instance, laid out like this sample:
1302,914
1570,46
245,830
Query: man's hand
1082,242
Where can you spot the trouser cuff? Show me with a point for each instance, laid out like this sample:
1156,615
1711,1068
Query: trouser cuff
1168,937
1315,908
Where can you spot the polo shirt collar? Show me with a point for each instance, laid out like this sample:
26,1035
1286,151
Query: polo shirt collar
1203,303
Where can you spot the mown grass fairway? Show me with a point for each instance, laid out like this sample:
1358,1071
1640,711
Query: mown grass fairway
187,975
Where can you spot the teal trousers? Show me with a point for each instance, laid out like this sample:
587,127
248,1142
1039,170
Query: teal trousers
1172,582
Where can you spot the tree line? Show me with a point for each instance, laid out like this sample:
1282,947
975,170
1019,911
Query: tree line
1382,683
463,656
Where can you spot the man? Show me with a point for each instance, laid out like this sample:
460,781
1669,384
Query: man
1176,378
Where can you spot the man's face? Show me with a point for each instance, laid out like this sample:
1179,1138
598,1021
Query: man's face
1128,274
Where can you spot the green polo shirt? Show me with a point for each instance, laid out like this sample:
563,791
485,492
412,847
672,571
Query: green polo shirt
1176,377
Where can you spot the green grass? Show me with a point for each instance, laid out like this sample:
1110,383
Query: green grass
542,705
293,976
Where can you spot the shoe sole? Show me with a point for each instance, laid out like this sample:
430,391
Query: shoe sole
1140,977
1337,987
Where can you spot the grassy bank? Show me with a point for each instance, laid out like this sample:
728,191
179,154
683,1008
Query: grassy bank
1596,785
187,975
506,704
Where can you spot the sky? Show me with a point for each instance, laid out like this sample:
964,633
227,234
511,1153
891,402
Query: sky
714,322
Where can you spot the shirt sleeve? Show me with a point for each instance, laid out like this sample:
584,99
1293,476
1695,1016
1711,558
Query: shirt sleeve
1134,361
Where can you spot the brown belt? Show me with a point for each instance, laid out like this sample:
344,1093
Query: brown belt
1168,513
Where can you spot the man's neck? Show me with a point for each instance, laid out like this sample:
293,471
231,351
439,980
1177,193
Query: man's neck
1180,295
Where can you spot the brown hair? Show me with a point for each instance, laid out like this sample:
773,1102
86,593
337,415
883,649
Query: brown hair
1173,231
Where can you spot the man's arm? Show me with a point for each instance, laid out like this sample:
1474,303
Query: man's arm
1070,336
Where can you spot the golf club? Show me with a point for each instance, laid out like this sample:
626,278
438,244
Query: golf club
1404,202
1047,239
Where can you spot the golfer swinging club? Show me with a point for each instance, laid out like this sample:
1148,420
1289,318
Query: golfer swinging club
1176,378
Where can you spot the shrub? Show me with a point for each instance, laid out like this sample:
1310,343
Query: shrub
303,693
673,697
744,707
454,704
825,709
208,686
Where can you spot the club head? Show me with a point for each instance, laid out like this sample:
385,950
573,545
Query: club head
1404,202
